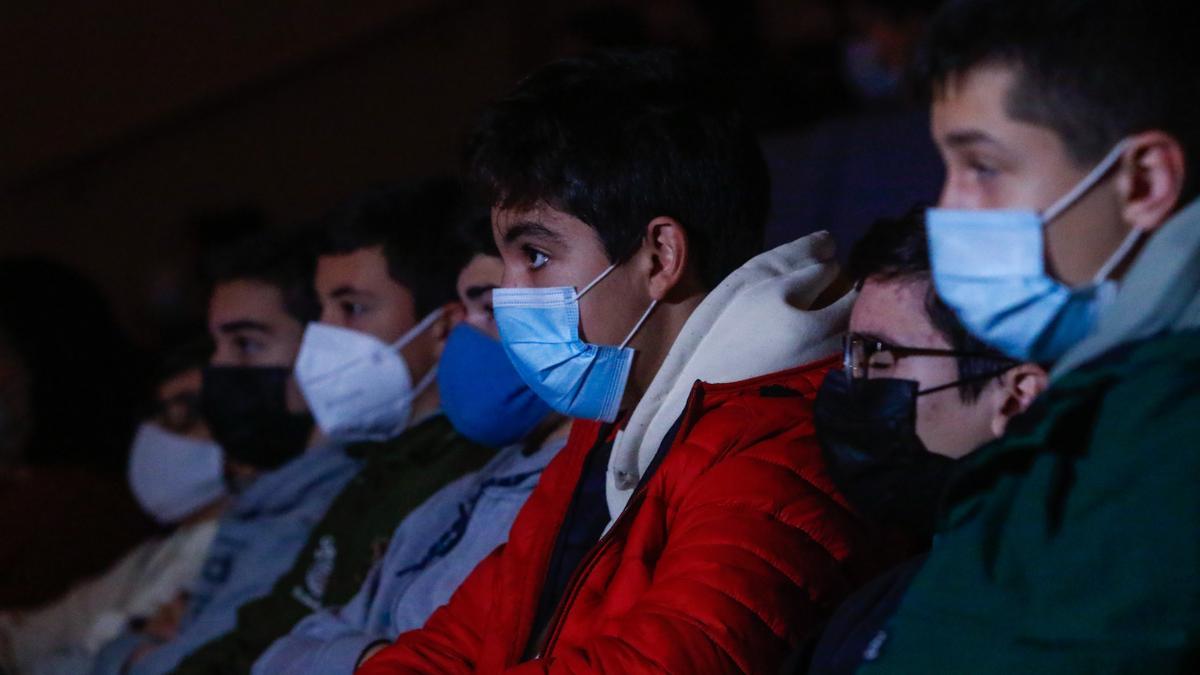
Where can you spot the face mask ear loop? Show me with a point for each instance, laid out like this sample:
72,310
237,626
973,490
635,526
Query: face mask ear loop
424,383
1089,181
968,380
417,329
597,280
639,324
1118,256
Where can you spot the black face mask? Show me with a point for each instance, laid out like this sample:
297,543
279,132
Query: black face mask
868,434
246,411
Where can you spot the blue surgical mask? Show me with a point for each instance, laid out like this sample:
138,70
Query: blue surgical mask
539,328
482,394
990,267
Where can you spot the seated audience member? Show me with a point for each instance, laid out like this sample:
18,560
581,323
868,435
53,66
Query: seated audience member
387,265
1068,234
439,543
284,473
916,393
684,527
69,385
84,378
842,173
175,473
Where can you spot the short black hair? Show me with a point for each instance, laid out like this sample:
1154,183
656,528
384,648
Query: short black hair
418,228
282,259
476,235
1093,71
896,249
618,138
190,353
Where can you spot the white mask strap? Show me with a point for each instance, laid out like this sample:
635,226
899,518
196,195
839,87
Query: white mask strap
597,280
638,326
418,329
1089,181
1118,256
424,383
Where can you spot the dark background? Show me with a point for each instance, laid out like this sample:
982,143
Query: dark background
133,133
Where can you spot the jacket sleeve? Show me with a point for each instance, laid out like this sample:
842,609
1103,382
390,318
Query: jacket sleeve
450,641
751,565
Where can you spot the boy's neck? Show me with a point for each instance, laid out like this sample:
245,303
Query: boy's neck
428,403
660,332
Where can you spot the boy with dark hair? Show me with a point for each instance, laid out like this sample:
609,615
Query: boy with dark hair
685,527
368,370
283,472
915,391
1069,234
915,394
439,543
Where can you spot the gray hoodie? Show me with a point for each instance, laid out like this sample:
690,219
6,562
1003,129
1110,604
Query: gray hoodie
430,554
1159,295
257,541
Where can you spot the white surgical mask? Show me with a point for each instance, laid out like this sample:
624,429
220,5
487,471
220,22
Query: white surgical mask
358,387
172,476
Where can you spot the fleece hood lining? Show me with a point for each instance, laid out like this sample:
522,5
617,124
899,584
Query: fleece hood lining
760,313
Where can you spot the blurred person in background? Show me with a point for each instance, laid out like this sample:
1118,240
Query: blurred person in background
175,472
876,158
387,262
69,389
439,543
282,471
85,379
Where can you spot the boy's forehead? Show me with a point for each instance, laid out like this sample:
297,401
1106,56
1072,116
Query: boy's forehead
974,103
539,220
895,310
361,267
246,300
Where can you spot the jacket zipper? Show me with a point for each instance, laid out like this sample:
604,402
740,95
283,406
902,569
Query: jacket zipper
581,573
585,567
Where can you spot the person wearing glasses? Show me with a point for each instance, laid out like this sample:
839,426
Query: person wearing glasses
915,395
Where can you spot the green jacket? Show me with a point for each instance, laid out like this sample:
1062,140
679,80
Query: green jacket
397,476
1072,545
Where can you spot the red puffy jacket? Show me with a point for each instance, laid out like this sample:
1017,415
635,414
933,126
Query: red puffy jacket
734,550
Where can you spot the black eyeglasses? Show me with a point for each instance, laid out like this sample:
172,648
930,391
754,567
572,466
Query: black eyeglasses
860,354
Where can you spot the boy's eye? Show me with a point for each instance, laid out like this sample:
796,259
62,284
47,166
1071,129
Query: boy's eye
981,168
353,308
537,259
247,346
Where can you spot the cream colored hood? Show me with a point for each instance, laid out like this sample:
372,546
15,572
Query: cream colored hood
757,321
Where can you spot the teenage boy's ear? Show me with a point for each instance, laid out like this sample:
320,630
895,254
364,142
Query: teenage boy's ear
1019,388
1151,180
667,260
452,314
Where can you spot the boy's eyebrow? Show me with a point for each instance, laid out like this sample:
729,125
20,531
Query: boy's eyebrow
243,325
531,230
473,292
872,337
965,137
348,290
